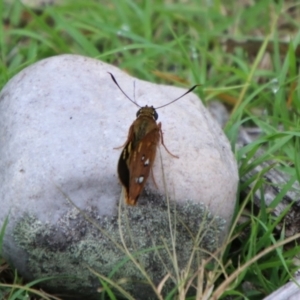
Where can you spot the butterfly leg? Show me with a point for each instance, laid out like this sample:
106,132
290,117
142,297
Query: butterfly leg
162,141
116,148
129,138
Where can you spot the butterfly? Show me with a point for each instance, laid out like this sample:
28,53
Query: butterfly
138,155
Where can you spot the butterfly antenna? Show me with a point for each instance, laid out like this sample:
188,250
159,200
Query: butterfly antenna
115,81
190,90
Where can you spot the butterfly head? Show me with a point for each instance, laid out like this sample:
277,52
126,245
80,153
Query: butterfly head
147,111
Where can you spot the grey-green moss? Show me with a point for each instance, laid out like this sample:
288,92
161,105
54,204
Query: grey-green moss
73,244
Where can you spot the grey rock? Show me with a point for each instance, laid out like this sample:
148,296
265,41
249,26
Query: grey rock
289,291
38,4
60,120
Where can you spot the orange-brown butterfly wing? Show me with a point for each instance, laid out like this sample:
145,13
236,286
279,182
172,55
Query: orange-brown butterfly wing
140,164
138,155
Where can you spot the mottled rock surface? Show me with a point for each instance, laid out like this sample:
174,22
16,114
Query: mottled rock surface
59,122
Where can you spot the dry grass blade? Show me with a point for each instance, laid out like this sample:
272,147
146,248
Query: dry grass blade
132,258
40,293
223,286
116,285
163,281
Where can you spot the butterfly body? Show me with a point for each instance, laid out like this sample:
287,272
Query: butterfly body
137,157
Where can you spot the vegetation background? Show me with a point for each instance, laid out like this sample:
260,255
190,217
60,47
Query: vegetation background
243,53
